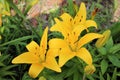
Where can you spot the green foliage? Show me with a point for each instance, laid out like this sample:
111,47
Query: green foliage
115,30
6,71
27,77
71,7
104,66
109,61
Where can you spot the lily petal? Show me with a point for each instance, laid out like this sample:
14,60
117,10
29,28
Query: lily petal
90,23
81,15
77,31
43,43
54,52
33,47
84,54
65,55
57,43
35,69
57,21
66,18
26,57
51,62
87,38
62,27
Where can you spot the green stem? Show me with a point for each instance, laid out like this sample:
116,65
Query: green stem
84,76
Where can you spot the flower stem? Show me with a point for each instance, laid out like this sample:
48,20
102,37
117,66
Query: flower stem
84,76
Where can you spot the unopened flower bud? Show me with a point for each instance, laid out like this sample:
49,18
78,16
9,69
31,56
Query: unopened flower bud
89,69
101,41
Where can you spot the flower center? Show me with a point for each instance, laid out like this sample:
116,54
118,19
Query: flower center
71,39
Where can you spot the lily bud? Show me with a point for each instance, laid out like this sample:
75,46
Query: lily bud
89,69
101,41
42,78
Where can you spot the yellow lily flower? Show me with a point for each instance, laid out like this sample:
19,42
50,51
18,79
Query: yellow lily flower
38,57
71,45
67,50
67,23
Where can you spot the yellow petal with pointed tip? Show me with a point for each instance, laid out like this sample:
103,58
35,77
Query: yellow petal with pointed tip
90,23
77,31
33,47
26,57
84,54
87,38
43,43
35,69
81,15
65,55
57,21
66,18
62,27
51,63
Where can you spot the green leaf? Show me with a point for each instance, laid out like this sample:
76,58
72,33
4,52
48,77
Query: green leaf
17,40
71,7
1,64
90,77
102,50
101,76
7,68
115,48
71,71
115,61
26,76
49,77
4,57
40,30
76,75
104,66
118,74
55,34
115,30
109,43
114,76
7,73
108,77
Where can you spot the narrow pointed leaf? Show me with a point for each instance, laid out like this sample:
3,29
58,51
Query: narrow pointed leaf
104,66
